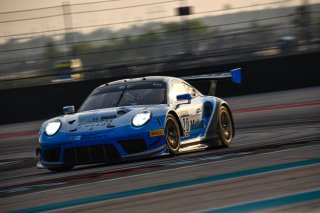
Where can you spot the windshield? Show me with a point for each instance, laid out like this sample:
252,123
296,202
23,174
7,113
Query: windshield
139,93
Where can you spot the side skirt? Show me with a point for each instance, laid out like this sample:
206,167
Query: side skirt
200,143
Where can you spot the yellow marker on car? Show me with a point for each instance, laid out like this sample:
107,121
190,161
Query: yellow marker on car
158,132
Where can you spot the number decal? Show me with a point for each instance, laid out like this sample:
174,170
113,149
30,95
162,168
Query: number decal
190,124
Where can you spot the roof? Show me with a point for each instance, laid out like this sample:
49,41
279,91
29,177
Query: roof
146,78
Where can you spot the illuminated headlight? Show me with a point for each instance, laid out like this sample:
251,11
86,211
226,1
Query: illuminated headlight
141,118
53,127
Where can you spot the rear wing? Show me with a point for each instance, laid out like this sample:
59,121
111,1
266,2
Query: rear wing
198,80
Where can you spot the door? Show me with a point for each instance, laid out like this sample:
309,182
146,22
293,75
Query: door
189,112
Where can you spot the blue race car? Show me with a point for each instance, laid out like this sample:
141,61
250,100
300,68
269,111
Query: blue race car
138,118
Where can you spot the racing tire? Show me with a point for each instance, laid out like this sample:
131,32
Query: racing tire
225,126
172,133
61,168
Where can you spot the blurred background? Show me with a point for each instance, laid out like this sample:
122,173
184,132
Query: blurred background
62,42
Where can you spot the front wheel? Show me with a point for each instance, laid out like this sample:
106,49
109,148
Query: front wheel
225,126
172,135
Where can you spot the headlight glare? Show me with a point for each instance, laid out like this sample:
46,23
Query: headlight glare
53,127
141,118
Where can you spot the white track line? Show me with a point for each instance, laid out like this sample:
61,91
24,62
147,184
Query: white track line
184,187
264,199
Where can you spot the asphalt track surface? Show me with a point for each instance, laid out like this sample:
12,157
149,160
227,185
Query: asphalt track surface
273,165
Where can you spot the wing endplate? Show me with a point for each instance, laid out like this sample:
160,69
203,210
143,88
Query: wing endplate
236,75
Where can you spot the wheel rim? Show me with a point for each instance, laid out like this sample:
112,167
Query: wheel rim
226,126
172,134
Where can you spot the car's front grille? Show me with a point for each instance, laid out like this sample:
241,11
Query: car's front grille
52,154
133,146
91,154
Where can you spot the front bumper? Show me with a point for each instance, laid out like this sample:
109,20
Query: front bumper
114,145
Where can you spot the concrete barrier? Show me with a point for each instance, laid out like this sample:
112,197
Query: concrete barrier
42,102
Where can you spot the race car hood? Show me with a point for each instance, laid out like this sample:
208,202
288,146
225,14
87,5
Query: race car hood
102,119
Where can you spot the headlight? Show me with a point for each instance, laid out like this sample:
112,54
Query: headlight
53,127
141,118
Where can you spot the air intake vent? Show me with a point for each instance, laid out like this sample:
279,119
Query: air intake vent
207,109
52,155
71,122
133,146
121,112
91,154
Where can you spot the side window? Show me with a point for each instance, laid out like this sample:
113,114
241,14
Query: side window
177,88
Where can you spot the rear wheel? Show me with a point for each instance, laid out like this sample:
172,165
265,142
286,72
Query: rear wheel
172,134
225,126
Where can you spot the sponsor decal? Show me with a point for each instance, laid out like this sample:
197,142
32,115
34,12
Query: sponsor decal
196,124
89,136
92,136
77,138
96,121
158,132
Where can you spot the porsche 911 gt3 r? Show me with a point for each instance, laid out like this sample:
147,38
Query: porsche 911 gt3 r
138,118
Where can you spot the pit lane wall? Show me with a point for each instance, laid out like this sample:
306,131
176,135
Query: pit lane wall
272,74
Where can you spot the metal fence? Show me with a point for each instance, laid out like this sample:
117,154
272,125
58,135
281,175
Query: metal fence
147,45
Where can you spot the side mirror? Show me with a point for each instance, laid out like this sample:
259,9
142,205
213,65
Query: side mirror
68,110
182,97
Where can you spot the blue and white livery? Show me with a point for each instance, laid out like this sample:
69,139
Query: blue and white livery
138,118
